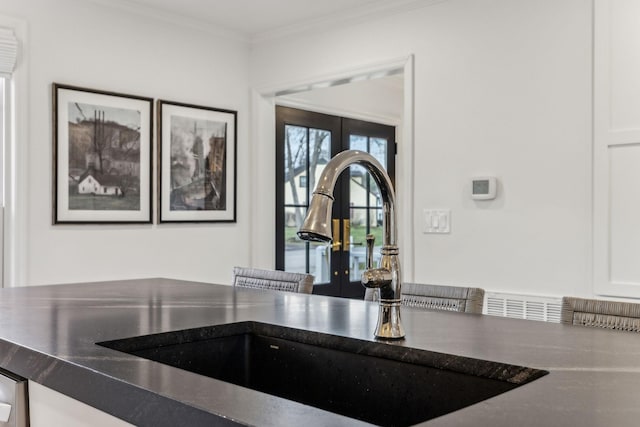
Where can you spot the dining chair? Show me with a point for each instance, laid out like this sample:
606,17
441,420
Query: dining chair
273,279
438,297
624,316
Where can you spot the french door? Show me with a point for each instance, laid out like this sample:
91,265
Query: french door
305,142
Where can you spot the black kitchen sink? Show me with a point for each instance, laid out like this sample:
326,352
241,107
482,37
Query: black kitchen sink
377,382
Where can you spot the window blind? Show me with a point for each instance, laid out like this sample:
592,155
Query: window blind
8,51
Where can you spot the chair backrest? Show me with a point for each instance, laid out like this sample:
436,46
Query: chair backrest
273,279
438,297
624,316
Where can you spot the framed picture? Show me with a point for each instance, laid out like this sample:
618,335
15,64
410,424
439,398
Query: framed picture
196,163
101,156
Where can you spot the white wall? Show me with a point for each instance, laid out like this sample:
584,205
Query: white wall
90,45
502,87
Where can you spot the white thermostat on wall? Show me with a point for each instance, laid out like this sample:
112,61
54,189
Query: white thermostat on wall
483,187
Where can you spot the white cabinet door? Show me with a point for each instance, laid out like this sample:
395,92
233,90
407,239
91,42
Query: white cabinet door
617,148
49,408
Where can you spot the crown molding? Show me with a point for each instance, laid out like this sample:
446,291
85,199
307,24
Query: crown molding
202,25
355,15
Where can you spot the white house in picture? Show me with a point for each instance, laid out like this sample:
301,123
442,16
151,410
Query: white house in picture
100,185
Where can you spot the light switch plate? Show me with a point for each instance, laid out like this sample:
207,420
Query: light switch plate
437,221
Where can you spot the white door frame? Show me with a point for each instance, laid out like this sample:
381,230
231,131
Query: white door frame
262,161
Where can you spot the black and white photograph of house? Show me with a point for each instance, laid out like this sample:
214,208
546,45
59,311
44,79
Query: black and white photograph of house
198,164
104,157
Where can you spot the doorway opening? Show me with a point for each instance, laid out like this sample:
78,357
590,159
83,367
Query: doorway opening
380,92
305,142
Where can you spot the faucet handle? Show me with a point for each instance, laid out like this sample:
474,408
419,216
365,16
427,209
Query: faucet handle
374,277
370,243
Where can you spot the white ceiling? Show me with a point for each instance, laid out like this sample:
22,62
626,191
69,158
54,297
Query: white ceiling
254,18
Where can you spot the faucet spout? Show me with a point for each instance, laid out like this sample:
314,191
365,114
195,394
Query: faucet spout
317,227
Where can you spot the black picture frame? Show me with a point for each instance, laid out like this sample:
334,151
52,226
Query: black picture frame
197,163
102,156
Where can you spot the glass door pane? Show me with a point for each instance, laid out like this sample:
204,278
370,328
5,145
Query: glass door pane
365,204
367,221
365,201
306,152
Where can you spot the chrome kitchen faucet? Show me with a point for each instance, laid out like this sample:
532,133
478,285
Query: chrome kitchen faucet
387,276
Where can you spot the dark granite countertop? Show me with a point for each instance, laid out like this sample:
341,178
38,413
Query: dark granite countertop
48,335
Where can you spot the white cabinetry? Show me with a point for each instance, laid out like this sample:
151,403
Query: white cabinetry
49,408
617,148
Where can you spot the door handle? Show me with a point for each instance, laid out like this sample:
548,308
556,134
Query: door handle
346,235
337,243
